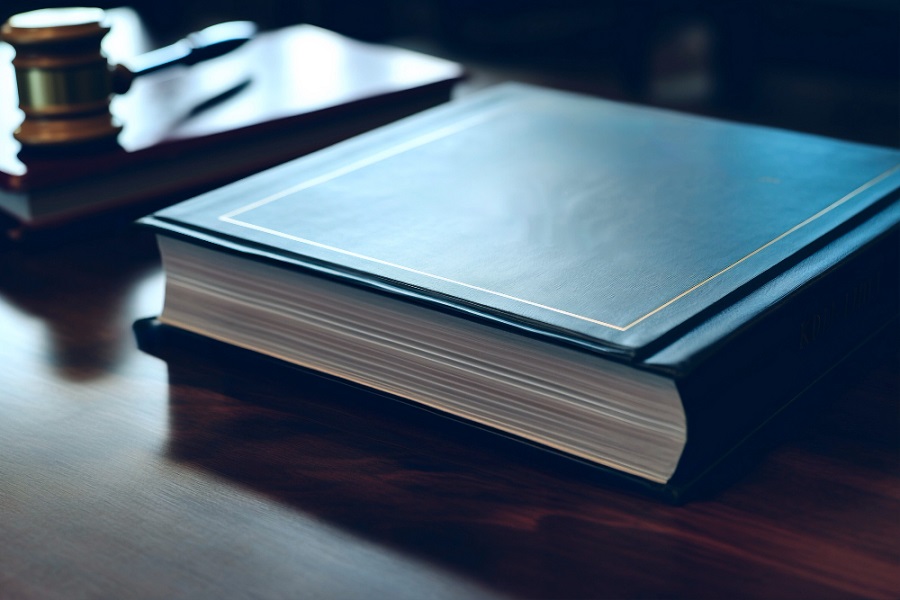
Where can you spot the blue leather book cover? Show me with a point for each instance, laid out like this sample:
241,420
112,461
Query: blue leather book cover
732,265
609,226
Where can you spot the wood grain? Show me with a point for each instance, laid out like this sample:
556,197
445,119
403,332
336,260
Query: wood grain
122,476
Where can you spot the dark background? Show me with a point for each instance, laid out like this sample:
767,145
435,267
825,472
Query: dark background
823,66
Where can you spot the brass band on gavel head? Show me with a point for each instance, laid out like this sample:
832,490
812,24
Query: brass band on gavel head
63,79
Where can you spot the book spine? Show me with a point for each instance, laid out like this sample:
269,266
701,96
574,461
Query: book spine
768,365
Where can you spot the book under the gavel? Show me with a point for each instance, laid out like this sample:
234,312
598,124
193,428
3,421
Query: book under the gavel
184,130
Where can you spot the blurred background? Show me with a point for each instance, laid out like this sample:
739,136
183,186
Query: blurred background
830,67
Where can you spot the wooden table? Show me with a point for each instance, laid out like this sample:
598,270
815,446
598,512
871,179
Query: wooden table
122,476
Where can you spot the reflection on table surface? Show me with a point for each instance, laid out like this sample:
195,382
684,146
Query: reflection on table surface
123,474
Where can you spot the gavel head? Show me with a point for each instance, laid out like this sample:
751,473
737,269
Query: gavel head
63,79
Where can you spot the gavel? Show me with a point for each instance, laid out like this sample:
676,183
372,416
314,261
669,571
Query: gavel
65,82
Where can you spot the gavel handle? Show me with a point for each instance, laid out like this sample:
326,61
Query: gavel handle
199,46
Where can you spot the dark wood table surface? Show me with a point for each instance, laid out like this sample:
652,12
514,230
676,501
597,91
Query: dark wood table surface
126,476
123,475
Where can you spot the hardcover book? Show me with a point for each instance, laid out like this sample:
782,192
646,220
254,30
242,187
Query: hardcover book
635,288
283,94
